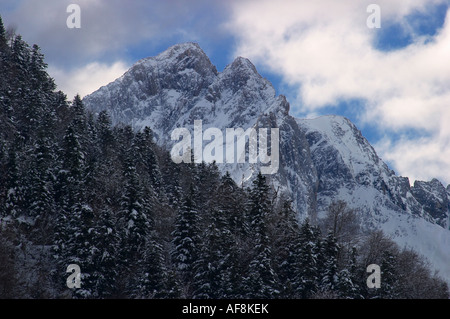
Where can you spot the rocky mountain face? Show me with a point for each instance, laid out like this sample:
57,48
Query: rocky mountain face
434,198
321,160
181,85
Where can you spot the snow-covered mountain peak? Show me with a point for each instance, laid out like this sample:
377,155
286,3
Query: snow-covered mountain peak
184,55
179,48
344,136
242,65
181,85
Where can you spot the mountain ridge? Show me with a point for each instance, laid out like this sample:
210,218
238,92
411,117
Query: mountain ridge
321,160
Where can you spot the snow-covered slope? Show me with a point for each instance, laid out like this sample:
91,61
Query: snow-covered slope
349,169
321,159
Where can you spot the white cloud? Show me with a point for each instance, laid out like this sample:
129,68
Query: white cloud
424,158
87,79
110,29
325,49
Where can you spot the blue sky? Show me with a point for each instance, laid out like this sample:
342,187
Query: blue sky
392,82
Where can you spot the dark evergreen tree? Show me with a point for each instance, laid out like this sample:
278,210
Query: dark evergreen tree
135,222
72,238
154,281
14,189
79,113
71,176
152,161
235,267
105,254
389,275
330,250
8,267
186,238
20,58
105,134
261,281
172,285
135,213
230,200
349,278
3,41
41,195
287,246
39,78
308,270
213,277
259,208
170,173
80,248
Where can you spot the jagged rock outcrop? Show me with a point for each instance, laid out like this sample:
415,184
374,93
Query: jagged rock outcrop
434,198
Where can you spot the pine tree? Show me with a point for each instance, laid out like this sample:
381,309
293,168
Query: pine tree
41,197
152,161
308,270
389,275
81,248
230,204
186,238
330,251
3,41
135,212
259,208
153,283
234,268
286,241
105,134
136,225
8,267
79,112
107,169
206,175
71,176
214,267
74,244
206,272
230,200
170,173
261,281
172,285
20,57
146,160
73,237
105,239
348,286
14,190
40,79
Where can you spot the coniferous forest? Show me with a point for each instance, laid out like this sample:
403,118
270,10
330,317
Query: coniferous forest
76,190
